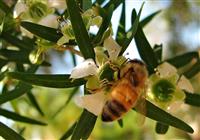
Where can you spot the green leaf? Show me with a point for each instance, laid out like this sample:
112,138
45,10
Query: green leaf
69,132
19,90
146,20
121,30
5,7
161,128
158,52
16,117
9,134
145,50
183,59
16,42
193,70
44,32
87,4
192,99
132,31
120,122
2,62
34,102
84,126
2,75
47,80
157,114
17,56
116,3
79,29
105,24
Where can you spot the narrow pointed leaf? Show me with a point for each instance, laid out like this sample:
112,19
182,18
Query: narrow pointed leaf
34,102
161,128
159,115
146,20
183,59
2,62
16,42
18,56
133,30
19,90
120,122
105,24
16,117
9,134
84,126
2,75
79,29
87,4
69,132
5,7
116,3
158,52
121,30
44,32
195,69
47,80
192,99
145,50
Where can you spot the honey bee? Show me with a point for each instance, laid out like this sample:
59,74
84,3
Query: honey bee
123,95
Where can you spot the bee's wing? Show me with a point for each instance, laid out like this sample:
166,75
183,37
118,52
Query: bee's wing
93,103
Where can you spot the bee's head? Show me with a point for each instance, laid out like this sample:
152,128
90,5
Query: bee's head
135,70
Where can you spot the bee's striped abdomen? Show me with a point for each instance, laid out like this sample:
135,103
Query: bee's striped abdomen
112,110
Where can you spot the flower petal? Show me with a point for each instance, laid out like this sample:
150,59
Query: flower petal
166,70
87,68
112,47
19,8
49,21
93,103
174,107
100,56
185,84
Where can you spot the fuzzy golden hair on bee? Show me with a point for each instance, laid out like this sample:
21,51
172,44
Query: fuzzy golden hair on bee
126,92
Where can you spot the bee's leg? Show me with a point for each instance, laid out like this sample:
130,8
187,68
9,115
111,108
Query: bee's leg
106,83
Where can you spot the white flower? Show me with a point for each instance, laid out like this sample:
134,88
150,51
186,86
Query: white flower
38,12
166,87
87,68
112,47
90,18
93,103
